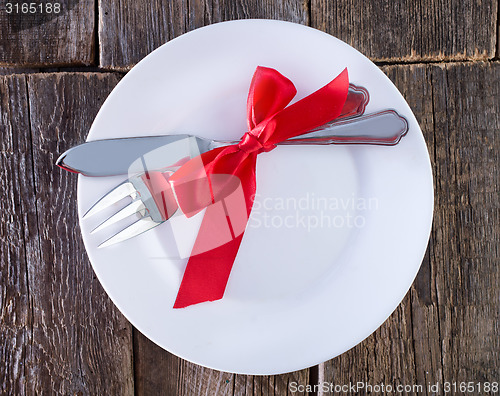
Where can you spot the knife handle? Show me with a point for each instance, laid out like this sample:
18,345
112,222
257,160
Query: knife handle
384,128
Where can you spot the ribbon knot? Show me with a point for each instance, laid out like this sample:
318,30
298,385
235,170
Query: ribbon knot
223,180
250,143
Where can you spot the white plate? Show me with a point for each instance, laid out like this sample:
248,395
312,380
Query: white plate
297,295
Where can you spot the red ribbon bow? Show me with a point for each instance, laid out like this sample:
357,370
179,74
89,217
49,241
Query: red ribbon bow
223,180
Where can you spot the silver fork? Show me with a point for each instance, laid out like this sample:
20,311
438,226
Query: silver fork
154,200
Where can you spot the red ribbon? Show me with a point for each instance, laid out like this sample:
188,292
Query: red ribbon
223,180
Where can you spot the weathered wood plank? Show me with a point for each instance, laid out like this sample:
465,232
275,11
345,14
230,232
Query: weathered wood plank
197,380
155,370
159,372
46,37
273,384
411,30
416,85
129,30
387,356
18,232
446,329
467,227
79,343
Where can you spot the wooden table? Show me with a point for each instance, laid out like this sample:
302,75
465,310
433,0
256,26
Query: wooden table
61,334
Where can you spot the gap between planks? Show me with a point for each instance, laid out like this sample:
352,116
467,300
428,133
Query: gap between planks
6,71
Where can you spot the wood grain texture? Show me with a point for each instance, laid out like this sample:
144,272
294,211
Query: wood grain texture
411,30
447,327
78,342
61,334
466,225
156,370
48,38
18,233
272,384
387,356
415,83
129,30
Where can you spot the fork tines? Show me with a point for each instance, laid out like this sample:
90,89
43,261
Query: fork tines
137,206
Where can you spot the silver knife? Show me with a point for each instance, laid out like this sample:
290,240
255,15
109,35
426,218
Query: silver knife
119,156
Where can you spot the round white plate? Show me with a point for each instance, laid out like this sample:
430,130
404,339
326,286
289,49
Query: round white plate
337,233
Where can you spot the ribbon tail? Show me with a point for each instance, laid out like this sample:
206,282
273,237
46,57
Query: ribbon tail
219,237
207,273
